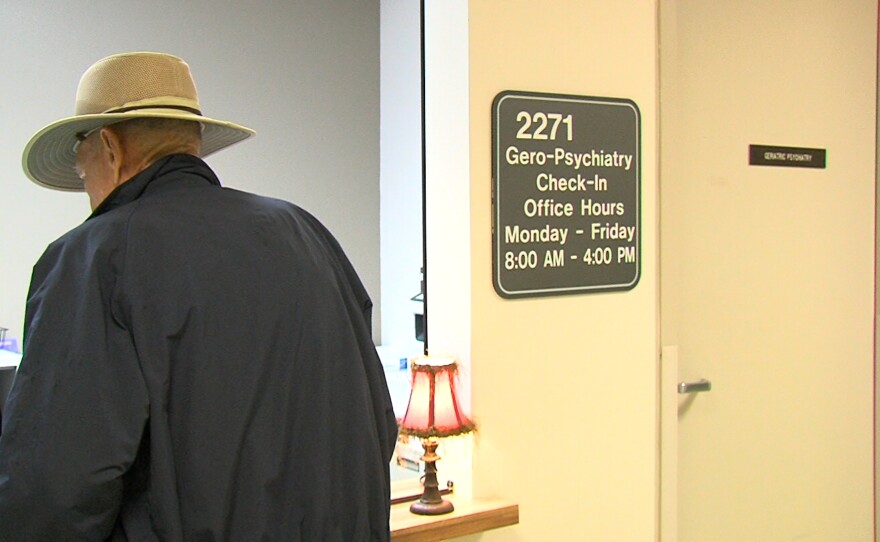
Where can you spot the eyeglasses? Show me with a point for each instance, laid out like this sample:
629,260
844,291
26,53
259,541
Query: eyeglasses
82,136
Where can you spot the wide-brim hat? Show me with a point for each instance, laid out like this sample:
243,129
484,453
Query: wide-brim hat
114,89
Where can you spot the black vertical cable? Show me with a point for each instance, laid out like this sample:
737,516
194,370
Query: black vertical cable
424,185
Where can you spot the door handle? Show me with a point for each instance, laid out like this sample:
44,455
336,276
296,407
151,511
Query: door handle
694,387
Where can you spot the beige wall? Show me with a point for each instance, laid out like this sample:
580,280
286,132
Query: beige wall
876,301
565,387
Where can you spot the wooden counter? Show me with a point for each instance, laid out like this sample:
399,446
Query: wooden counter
469,517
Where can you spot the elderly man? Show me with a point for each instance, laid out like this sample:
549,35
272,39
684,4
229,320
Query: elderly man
198,362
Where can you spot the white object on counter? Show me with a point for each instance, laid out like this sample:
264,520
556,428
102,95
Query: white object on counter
9,359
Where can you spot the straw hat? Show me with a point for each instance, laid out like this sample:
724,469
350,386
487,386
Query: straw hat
117,88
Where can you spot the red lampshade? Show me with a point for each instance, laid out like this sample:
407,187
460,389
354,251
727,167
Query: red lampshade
433,409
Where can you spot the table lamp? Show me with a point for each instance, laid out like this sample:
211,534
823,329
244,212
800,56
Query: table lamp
433,412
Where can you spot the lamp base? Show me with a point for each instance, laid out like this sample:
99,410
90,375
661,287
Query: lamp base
431,508
431,503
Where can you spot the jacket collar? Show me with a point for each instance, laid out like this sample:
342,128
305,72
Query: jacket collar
173,166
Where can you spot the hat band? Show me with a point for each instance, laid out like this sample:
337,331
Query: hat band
136,107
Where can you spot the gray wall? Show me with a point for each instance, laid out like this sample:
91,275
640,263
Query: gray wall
303,73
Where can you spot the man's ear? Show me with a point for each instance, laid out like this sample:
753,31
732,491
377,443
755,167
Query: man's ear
114,152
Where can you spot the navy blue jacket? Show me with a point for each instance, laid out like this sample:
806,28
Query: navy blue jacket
198,365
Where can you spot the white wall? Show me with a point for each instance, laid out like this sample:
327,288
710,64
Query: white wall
400,174
448,224
303,74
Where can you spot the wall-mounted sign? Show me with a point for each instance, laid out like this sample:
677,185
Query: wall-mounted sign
566,194
766,155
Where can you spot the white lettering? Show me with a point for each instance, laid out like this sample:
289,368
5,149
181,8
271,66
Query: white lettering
593,158
546,181
547,207
516,157
613,231
547,234
596,208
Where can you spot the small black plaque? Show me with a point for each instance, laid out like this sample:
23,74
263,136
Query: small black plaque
767,155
